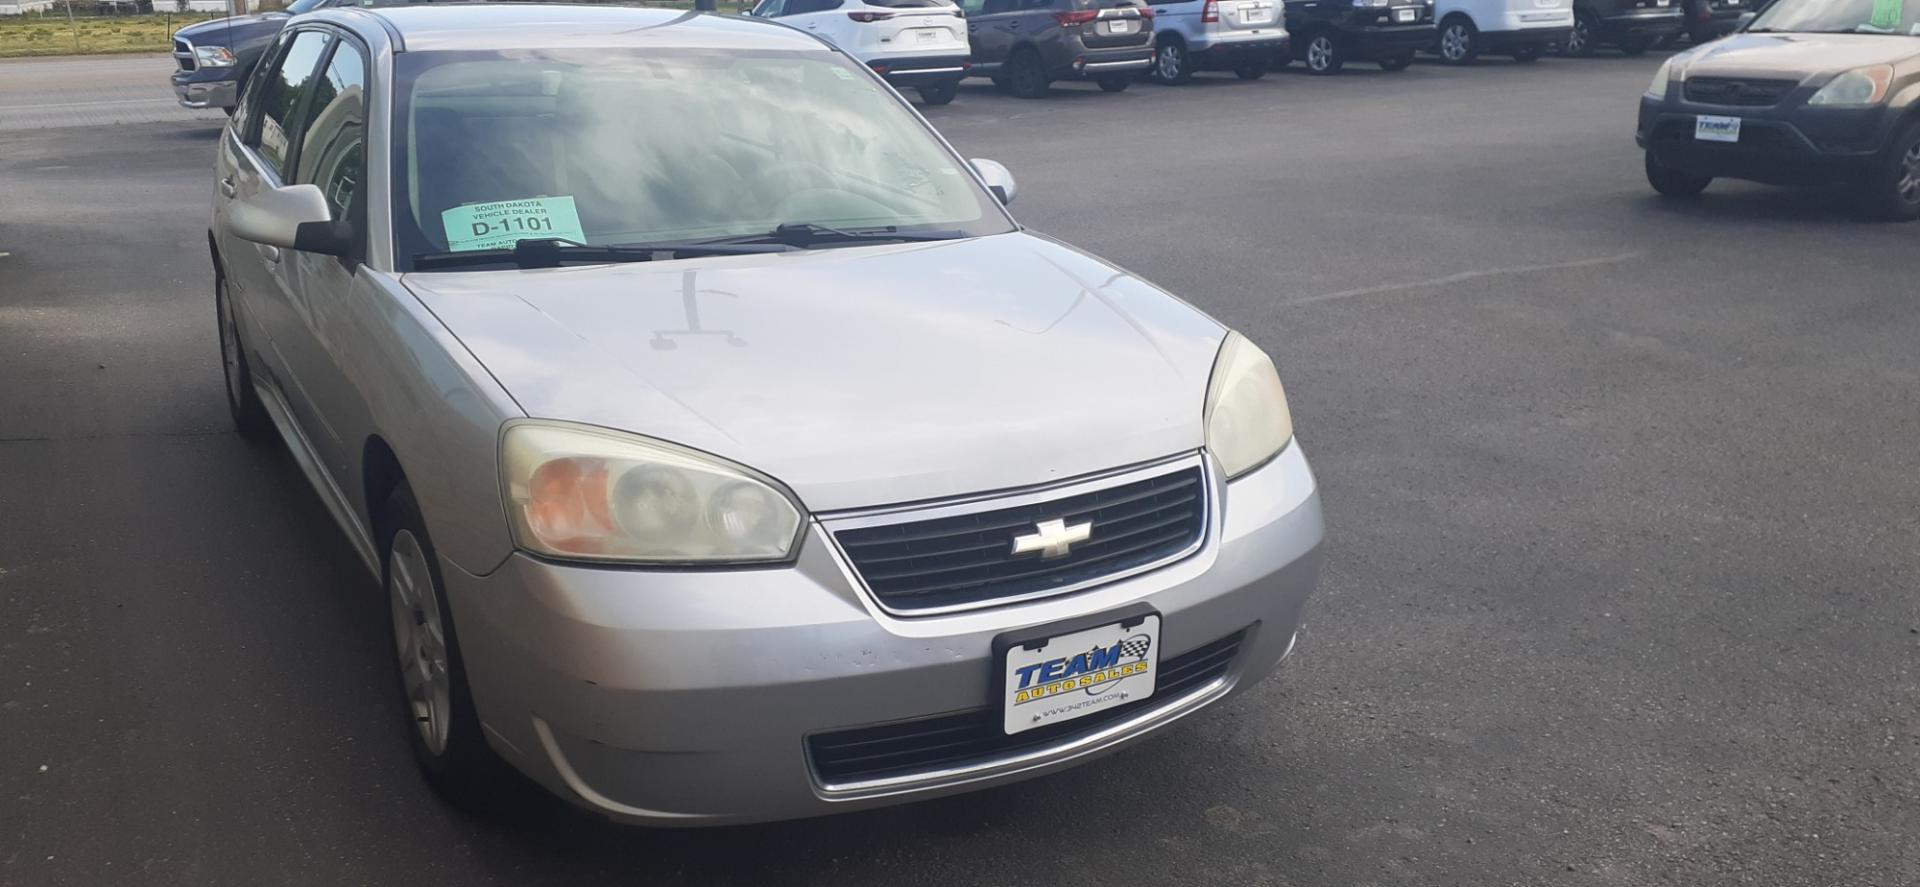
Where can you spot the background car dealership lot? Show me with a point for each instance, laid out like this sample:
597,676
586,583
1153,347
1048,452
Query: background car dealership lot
1620,495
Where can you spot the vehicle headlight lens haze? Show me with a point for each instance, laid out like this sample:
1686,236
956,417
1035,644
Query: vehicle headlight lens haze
1864,86
213,56
1247,418
583,493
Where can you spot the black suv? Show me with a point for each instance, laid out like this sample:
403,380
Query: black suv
1633,25
1329,33
1814,92
1025,45
1707,20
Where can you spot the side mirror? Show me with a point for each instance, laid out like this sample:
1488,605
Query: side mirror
998,180
291,217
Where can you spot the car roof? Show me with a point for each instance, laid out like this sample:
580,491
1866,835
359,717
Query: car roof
453,26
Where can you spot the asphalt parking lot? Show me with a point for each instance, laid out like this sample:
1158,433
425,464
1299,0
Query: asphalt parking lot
1622,534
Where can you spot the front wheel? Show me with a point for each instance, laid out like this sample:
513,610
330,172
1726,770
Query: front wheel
1251,71
940,94
1171,65
1115,84
1891,192
1026,75
442,725
1580,42
1325,54
1397,62
1459,42
1672,182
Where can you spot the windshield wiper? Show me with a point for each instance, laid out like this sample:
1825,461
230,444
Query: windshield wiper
552,252
809,234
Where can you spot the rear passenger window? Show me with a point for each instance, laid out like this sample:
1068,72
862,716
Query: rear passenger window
282,96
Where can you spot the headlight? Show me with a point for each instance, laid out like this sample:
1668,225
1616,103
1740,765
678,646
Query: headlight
584,493
1247,416
213,56
1864,86
1661,78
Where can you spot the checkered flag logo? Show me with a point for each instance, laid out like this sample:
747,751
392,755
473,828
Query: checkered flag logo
1136,647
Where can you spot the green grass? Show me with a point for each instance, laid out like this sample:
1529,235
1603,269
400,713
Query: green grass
31,35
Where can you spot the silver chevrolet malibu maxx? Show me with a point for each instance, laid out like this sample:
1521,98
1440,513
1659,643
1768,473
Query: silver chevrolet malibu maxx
726,451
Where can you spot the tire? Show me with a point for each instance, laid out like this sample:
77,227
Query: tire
1026,75
1635,46
441,723
1580,42
939,95
1326,54
1397,62
1674,183
1251,71
1891,191
250,416
1171,65
1527,55
1459,41
1115,84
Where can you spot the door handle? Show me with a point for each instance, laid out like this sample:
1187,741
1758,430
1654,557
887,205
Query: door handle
226,187
271,252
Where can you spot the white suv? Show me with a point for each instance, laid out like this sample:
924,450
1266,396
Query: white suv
1242,36
1524,29
912,43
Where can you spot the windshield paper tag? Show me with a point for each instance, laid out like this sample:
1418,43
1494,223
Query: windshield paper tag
1886,14
506,222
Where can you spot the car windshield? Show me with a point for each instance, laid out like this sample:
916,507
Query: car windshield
1841,17
606,147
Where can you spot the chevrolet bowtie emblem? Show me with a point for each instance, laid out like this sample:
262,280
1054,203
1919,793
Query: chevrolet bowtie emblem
1053,539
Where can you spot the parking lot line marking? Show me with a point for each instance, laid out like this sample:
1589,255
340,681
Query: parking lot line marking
1462,277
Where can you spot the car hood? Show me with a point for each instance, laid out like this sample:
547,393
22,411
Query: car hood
1795,56
217,29
859,376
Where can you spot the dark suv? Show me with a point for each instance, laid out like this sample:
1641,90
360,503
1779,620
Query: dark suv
1707,20
1814,92
1633,25
1025,45
1329,33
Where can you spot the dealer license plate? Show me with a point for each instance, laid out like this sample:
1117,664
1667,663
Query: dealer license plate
1405,15
1073,675
1716,129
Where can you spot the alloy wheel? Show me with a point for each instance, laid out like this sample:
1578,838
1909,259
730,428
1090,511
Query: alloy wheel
1453,42
1577,41
1320,53
420,638
1909,186
1169,62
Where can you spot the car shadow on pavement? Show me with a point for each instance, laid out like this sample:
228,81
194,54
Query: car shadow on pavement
1734,202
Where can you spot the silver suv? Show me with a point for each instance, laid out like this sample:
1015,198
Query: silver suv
755,467
1243,36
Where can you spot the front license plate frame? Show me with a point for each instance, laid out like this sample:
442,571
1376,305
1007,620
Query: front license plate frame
1406,16
1713,128
1101,656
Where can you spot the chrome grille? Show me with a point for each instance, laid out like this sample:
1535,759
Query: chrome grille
970,559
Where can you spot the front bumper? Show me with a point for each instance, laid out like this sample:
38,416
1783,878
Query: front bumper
205,92
686,698
1791,145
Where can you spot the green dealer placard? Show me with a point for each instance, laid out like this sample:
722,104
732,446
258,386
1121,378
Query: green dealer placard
506,222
